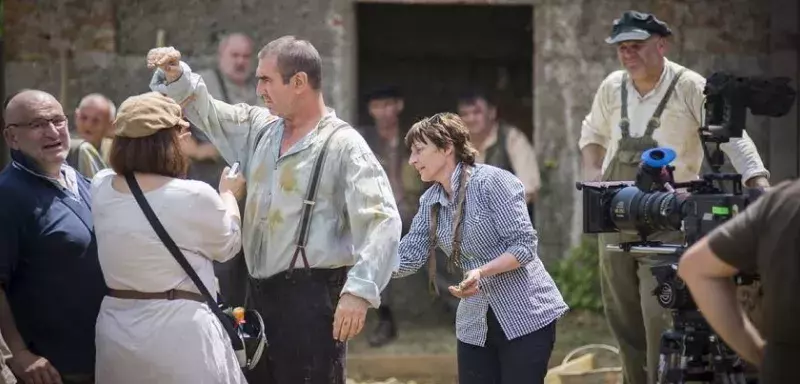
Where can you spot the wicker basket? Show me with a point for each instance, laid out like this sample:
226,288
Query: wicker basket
581,370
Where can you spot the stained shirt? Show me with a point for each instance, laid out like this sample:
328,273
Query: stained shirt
355,220
680,122
496,221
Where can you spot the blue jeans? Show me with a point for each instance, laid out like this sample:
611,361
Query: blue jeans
501,361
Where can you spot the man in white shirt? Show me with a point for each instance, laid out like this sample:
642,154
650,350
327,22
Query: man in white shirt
652,102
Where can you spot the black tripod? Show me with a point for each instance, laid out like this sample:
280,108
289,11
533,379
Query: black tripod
692,352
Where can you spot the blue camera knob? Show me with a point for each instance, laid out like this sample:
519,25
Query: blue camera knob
658,157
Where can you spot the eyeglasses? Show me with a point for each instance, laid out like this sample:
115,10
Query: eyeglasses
38,124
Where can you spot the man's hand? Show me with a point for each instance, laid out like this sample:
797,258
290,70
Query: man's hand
758,182
33,369
349,317
168,59
468,287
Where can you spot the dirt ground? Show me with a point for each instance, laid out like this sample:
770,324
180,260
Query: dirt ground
436,336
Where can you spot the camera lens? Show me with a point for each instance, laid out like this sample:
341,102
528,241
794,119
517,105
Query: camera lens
635,211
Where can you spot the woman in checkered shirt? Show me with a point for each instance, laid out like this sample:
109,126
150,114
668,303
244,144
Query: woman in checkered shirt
505,323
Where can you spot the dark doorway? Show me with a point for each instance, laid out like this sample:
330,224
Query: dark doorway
435,52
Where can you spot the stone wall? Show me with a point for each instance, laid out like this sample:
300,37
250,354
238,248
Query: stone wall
104,44
572,59
107,41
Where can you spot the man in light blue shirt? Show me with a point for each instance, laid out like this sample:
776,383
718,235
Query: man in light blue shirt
312,279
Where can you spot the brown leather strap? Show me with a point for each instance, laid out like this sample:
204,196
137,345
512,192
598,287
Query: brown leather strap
434,240
455,258
168,295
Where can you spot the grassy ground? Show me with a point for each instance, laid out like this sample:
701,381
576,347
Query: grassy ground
436,336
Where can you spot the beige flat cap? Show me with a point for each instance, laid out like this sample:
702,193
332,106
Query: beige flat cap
145,114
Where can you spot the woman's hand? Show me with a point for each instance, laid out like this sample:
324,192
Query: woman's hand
233,184
469,286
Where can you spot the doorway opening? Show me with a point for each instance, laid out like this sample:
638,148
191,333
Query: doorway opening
433,53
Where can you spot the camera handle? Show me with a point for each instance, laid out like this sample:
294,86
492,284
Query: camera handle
647,247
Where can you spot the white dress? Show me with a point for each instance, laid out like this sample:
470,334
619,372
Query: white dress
162,341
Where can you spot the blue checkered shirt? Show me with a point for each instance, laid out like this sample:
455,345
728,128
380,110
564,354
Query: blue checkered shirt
496,221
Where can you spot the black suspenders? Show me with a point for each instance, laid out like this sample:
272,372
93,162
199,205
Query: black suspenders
308,204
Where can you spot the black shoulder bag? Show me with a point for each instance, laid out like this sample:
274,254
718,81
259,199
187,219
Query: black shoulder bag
255,331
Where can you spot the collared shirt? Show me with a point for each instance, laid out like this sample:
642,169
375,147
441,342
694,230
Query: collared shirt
237,94
48,263
355,221
495,222
404,179
520,153
85,158
680,122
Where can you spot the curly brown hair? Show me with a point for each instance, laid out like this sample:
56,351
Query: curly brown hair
159,153
442,130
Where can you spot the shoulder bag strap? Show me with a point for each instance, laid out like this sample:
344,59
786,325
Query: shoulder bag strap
434,240
455,259
308,203
176,252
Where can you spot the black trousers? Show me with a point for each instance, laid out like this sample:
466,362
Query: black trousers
298,316
502,361
232,276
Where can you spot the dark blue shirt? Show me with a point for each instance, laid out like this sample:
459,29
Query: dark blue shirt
48,263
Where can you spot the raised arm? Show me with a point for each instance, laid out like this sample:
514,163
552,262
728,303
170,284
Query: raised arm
231,128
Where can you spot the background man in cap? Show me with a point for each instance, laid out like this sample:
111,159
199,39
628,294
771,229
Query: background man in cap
385,137
651,102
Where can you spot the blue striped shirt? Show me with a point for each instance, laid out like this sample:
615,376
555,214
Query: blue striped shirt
496,221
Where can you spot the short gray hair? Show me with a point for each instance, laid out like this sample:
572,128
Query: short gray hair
295,56
112,109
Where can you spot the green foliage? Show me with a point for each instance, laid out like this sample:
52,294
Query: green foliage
578,277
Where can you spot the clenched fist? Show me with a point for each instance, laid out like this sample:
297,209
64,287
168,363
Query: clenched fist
168,59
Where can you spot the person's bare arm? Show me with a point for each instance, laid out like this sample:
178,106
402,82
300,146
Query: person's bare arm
8,327
25,365
708,268
592,156
710,281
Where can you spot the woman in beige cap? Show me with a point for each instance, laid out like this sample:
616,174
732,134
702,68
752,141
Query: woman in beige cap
154,326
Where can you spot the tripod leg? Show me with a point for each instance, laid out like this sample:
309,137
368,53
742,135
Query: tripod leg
670,370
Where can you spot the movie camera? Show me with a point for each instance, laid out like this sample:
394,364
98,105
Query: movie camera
655,203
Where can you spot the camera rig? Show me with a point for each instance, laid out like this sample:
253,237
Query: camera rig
654,203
